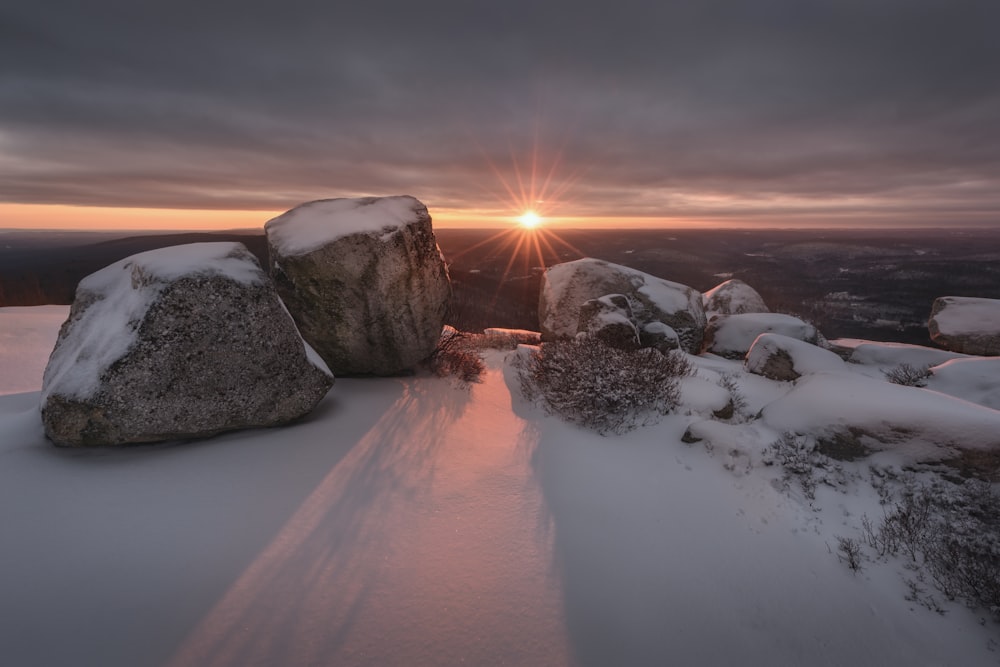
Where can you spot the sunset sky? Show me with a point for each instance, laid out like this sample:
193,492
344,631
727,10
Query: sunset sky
126,113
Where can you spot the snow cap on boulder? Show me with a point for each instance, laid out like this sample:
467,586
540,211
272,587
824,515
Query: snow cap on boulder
565,288
733,297
731,336
966,324
364,279
180,342
785,359
609,319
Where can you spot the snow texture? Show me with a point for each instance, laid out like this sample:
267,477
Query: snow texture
916,424
966,324
976,380
732,335
27,336
411,523
770,352
313,225
888,355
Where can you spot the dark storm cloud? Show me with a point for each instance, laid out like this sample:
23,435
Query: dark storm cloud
654,108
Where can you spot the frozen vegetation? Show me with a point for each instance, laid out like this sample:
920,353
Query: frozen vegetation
425,521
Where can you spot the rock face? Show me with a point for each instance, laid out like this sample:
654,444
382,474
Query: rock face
364,280
177,343
733,297
967,325
731,336
610,320
785,359
566,287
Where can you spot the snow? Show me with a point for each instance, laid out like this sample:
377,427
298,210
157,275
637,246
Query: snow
411,522
736,333
890,355
27,335
806,357
968,315
119,296
310,226
976,380
926,425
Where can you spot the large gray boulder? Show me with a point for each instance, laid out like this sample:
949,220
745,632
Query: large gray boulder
364,280
177,343
566,287
733,297
966,324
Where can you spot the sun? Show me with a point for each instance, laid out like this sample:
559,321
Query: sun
529,220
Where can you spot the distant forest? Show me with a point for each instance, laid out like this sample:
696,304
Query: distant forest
864,284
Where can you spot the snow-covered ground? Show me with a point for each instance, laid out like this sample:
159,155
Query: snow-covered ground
409,521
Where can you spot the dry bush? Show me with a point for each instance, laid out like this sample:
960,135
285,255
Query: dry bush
602,388
456,355
907,375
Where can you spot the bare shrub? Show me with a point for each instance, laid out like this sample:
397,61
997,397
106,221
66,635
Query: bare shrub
456,356
907,375
603,388
950,532
849,552
737,398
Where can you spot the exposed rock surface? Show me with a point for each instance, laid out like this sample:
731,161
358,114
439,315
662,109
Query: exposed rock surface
967,325
609,319
785,359
733,297
364,280
659,336
731,336
176,343
566,287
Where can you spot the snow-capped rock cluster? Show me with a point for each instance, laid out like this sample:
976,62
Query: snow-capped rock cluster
193,340
657,308
848,398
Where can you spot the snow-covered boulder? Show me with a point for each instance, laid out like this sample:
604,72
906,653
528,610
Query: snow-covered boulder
609,319
659,336
888,355
966,324
181,342
565,288
785,359
733,297
731,336
364,280
851,416
973,379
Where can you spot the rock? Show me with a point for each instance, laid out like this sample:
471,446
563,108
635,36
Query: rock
848,415
177,343
966,324
364,280
609,319
565,287
733,297
786,359
659,336
731,336
888,355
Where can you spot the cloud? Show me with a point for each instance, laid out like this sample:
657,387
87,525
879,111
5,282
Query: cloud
653,109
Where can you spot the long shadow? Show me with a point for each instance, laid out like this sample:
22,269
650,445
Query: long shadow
299,601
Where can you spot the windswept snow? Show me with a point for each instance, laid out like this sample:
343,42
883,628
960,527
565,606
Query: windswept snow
410,522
